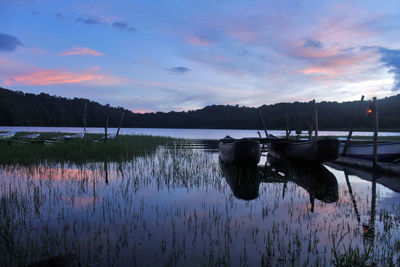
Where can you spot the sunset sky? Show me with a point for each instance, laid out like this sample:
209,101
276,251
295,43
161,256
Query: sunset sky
181,55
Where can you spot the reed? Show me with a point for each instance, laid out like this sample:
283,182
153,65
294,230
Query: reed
79,151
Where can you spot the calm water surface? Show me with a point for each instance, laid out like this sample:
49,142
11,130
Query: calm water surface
183,133
181,206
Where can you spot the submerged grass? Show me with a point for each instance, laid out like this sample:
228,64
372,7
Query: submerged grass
79,151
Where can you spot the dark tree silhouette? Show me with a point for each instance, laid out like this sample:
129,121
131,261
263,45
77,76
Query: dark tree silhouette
25,109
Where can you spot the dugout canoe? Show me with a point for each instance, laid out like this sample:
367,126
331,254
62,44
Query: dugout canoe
240,151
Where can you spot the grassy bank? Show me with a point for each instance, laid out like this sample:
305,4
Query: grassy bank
78,151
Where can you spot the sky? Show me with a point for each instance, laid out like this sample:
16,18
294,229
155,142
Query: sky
165,55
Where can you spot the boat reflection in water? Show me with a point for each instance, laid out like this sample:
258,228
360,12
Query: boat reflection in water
243,179
317,180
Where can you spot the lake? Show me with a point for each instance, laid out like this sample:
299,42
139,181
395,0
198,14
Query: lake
181,206
214,134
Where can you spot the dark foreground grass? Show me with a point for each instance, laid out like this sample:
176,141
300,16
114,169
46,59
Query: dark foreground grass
79,151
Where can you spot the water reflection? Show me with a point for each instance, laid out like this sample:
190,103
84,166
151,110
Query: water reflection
369,229
244,180
317,180
181,206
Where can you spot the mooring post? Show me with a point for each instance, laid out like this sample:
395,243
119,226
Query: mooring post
312,121
107,118
352,126
375,112
287,125
84,117
263,123
316,119
120,123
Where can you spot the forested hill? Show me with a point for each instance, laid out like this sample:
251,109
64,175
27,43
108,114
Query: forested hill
24,109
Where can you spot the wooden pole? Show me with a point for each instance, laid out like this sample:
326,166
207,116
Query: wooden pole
263,123
312,121
287,125
84,117
120,123
316,120
375,112
352,126
106,127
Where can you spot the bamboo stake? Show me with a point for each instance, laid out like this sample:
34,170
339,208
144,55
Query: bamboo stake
375,112
312,121
105,129
352,126
287,125
120,123
84,117
263,123
316,120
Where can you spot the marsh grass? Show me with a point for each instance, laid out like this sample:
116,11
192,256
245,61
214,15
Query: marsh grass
79,151
351,256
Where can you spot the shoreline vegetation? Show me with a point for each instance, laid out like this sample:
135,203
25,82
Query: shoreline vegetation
91,148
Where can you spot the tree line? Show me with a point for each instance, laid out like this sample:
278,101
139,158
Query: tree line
26,109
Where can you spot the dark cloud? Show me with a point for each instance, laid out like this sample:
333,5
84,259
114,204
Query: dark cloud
178,70
90,21
122,25
312,43
8,43
391,59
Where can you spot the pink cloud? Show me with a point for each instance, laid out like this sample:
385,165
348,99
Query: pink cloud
196,40
246,36
336,66
298,49
81,51
51,76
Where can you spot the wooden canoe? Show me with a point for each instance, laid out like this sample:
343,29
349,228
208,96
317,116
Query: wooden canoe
242,151
387,151
7,135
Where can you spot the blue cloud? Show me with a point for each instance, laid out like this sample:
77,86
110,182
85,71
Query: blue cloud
312,43
122,25
178,70
391,59
90,21
8,43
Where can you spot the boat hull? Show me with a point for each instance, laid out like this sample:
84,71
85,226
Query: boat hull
387,151
322,150
8,135
244,151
